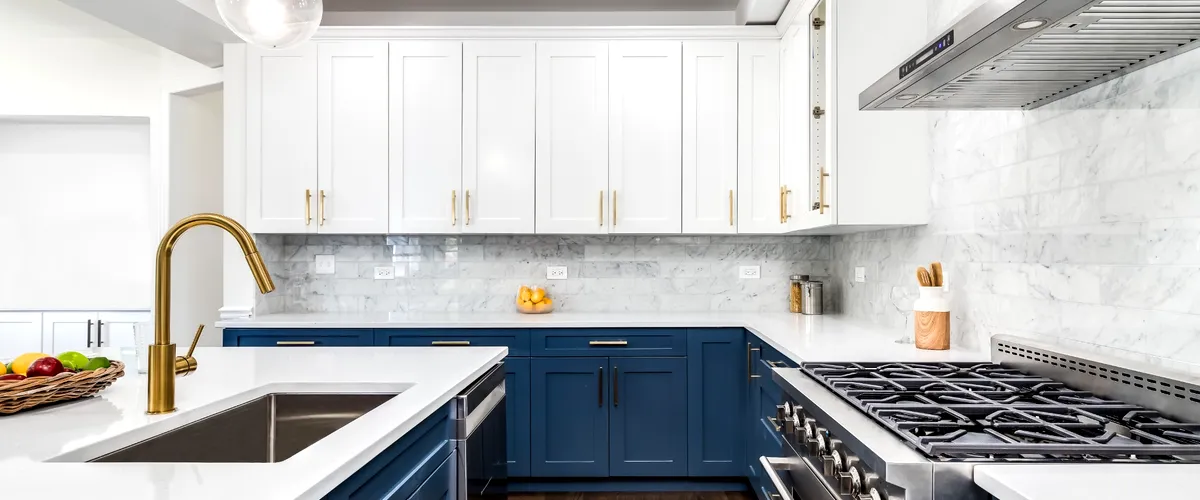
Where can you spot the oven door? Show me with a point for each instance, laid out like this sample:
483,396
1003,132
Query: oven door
481,442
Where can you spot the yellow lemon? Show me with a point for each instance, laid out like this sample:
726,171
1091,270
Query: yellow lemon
547,302
21,364
538,294
525,293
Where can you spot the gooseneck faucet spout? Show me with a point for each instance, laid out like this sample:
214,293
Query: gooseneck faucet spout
164,364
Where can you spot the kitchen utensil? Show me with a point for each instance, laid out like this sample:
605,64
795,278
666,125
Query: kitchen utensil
923,277
937,273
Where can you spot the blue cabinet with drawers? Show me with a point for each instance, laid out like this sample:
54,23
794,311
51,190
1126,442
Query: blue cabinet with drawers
402,470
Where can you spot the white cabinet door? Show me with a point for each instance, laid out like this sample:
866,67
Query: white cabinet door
645,170
710,134
20,332
68,331
425,137
281,139
762,195
498,143
352,137
116,329
572,137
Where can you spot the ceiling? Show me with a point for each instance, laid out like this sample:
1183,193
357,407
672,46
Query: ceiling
528,5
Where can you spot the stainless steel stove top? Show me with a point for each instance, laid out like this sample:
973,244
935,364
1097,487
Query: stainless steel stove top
985,412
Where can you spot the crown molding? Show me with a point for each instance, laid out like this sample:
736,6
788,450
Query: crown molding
547,32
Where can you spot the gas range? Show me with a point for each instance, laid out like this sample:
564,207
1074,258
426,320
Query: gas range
914,431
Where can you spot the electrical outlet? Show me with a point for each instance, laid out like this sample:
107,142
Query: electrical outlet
860,275
556,272
385,273
749,272
325,264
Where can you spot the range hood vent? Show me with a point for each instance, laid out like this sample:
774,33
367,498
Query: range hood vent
1023,54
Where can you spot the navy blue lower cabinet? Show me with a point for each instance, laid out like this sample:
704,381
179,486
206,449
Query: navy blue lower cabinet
569,417
402,468
716,400
646,421
516,384
442,484
296,337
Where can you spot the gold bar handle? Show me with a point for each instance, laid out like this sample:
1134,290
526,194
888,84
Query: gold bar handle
782,203
730,207
307,207
468,202
295,342
451,342
453,207
321,208
614,207
608,343
821,205
601,208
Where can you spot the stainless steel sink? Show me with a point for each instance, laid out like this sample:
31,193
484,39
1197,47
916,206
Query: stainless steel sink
268,429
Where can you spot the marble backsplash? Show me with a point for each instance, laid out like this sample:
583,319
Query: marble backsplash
1077,222
482,273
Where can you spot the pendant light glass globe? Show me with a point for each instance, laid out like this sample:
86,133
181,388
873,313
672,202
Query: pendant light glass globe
274,24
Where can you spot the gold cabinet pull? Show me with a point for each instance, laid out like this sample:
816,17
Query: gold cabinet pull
307,207
821,205
783,211
321,208
453,207
614,207
468,203
608,343
601,208
730,207
295,342
451,342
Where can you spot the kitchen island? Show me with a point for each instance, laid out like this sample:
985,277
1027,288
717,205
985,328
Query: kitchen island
43,451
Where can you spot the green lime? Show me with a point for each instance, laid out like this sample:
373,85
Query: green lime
97,363
73,359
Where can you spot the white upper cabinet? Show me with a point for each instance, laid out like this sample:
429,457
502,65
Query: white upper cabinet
281,139
116,328
425,137
762,197
710,135
20,332
352,133
498,137
68,331
644,137
572,137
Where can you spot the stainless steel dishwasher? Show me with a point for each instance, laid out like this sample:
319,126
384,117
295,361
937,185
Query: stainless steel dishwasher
480,428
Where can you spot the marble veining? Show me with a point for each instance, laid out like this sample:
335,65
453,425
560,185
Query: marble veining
482,273
1077,222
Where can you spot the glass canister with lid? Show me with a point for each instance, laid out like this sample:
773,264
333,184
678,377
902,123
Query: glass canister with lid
796,293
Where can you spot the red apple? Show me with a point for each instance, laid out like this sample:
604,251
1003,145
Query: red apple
11,376
48,366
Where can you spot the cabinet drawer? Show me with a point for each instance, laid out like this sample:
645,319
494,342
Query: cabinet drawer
400,470
289,337
609,342
516,339
440,485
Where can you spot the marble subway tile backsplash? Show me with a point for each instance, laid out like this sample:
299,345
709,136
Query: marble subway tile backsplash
1077,222
482,273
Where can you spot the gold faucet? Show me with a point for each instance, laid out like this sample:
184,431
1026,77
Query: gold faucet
164,364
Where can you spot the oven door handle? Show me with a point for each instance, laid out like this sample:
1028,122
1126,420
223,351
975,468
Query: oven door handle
770,467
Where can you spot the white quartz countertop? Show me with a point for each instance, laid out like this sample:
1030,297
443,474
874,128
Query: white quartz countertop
801,338
1090,481
36,447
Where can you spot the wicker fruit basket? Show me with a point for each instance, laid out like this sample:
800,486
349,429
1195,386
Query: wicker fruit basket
20,395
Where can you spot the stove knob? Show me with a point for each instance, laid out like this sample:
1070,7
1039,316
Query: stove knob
838,465
851,462
829,465
834,444
873,494
853,485
822,442
810,429
870,481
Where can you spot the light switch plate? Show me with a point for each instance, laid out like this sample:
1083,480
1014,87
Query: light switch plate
325,264
385,273
860,275
749,272
556,272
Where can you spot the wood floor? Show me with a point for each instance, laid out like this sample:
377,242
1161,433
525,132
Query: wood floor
697,495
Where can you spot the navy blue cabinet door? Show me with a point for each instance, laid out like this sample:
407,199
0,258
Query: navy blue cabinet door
569,417
649,408
717,383
516,383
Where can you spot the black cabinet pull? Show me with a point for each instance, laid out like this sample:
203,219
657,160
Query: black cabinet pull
99,332
89,333
600,388
616,390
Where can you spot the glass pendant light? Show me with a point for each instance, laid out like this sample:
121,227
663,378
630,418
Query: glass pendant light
274,24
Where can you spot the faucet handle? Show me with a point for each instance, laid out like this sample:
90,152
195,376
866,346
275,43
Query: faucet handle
185,365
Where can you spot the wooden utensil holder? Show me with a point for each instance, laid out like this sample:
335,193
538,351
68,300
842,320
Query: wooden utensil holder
931,319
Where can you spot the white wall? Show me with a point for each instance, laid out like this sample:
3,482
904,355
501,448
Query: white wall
195,185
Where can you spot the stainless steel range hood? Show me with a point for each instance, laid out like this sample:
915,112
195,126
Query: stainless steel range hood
1008,54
